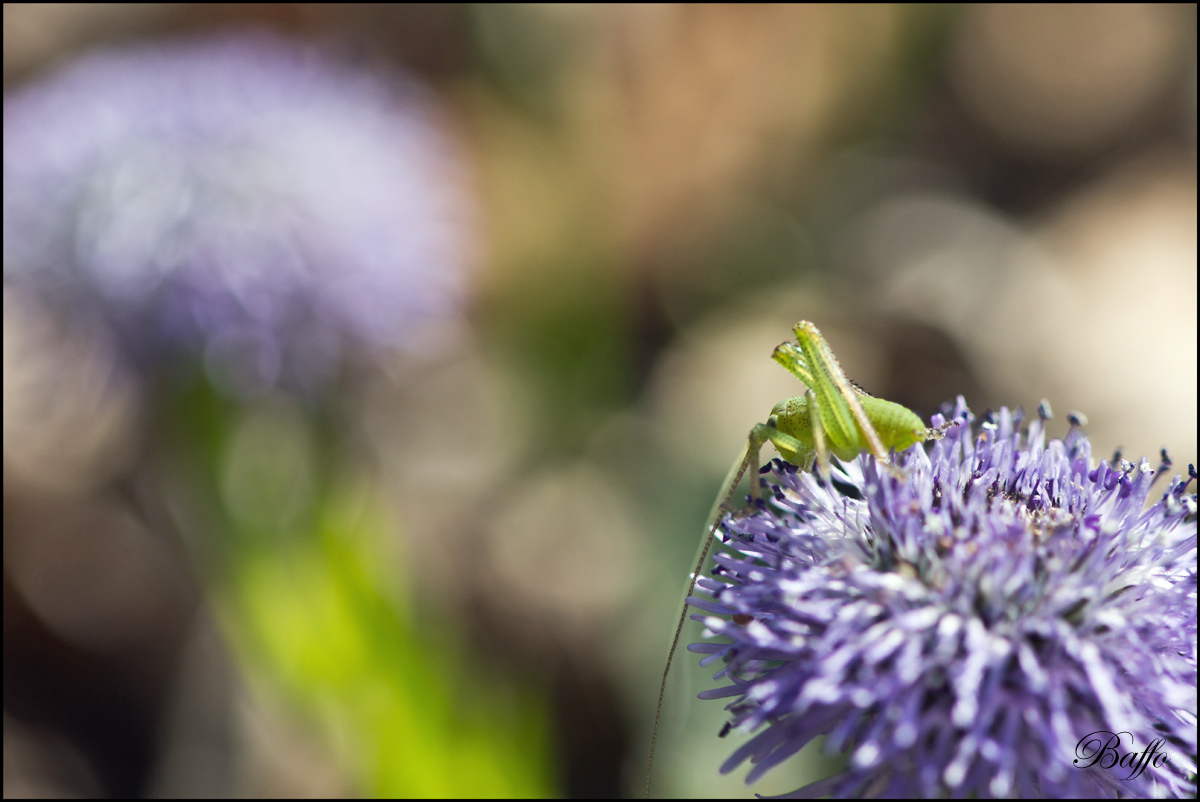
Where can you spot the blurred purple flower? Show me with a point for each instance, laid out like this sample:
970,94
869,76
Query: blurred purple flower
242,199
958,633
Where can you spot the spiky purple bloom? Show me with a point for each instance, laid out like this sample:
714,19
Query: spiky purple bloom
960,632
243,199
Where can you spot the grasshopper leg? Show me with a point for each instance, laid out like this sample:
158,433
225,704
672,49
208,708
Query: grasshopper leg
761,434
839,408
820,446
792,358
833,399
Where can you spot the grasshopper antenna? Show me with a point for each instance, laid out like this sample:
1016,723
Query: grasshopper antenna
714,519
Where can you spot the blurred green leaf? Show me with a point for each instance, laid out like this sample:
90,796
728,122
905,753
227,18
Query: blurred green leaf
314,607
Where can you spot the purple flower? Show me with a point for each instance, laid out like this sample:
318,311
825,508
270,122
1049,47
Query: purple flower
963,632
241,199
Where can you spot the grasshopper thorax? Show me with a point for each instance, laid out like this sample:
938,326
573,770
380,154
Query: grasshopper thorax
791,416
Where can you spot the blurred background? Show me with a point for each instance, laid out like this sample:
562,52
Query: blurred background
369,370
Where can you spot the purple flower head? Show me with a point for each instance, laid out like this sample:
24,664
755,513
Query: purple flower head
964,631
241,199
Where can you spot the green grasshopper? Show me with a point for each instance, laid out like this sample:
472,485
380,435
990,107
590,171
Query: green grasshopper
834,416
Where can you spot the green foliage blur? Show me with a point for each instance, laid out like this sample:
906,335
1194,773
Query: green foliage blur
312,596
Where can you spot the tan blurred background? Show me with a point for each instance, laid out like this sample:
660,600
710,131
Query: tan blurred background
997,201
